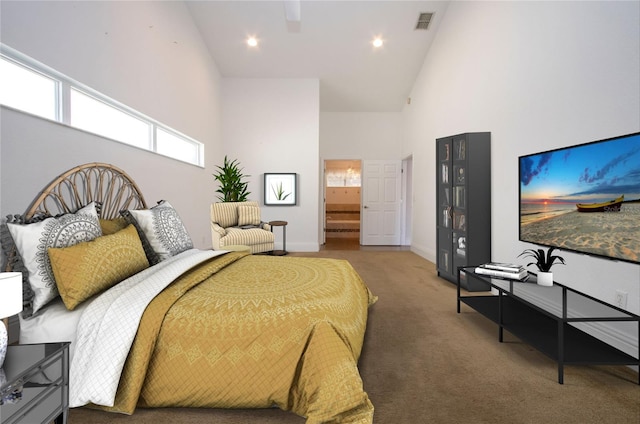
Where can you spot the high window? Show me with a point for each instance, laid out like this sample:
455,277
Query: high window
32,87
28,90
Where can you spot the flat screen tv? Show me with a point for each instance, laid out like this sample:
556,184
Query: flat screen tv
584,198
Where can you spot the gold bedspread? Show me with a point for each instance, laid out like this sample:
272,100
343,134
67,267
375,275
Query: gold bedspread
244,331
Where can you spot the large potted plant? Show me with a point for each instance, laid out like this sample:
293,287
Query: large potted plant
232,187
544,262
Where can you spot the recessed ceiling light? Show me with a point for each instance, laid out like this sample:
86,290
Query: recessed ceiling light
377,42
252,41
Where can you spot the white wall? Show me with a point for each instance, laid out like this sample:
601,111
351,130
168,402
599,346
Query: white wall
147,55
367,135
272,125
538,76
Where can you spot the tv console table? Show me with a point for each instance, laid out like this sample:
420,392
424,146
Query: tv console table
548,318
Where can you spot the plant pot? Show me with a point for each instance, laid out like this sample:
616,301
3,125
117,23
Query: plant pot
545,279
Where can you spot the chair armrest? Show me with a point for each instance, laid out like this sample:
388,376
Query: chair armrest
265,226
216,233
218,229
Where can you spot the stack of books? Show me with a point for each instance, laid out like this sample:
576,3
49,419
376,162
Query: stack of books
501,270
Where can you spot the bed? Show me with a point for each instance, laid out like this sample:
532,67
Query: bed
154,322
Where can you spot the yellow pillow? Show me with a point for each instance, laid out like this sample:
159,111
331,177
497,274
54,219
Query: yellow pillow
112,226
89,268
248,215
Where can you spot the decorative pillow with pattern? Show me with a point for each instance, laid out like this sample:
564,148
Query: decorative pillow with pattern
163,229
248,215
91,267
33,240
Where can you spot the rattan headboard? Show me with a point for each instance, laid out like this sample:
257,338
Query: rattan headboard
79,186
110,187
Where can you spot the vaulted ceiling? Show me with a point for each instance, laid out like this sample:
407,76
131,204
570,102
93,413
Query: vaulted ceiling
327,40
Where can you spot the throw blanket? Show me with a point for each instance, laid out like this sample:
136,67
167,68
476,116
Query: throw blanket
252,332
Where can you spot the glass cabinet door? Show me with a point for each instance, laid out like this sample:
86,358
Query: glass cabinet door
444,185
445,201
459,174
460,149
459,197
445,217
459,185
459,202
445,256
460,250
460,222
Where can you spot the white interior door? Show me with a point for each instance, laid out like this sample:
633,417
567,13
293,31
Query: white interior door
381,200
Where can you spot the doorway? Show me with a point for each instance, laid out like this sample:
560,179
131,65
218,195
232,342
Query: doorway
342,202
341,213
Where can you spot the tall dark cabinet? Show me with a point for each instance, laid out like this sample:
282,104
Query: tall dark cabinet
463,175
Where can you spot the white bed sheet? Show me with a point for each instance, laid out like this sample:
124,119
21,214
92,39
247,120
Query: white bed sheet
53,324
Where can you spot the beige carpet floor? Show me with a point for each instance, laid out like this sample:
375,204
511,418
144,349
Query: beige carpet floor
424,363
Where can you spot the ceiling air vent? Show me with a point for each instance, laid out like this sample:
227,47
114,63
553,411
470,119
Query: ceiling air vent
423,21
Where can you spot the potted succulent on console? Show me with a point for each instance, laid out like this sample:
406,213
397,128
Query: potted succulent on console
544,262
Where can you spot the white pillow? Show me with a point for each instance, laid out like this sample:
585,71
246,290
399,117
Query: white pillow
163,229
33,240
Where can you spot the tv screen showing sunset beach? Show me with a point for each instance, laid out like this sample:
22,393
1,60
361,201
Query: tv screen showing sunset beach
584,198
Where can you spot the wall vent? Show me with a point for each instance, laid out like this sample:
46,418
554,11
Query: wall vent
423,21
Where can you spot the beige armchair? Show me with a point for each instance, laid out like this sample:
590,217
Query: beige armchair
238,223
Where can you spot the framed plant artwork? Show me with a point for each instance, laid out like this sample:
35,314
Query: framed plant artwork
280,189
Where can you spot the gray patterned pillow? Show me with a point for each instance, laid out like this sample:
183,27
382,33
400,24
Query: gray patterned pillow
163,230
33,240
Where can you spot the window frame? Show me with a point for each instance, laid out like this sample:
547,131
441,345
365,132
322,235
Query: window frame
33,70
64,85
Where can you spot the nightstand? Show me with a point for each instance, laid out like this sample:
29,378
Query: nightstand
34,384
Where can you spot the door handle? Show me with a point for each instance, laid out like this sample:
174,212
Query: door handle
366,207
